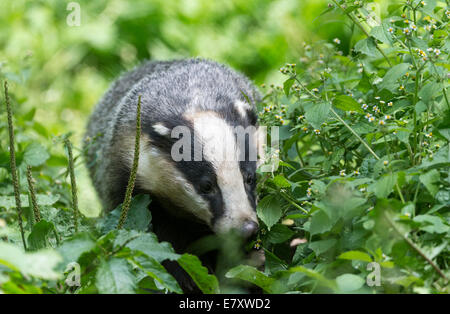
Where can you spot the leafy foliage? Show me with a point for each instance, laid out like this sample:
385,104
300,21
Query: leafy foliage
363,176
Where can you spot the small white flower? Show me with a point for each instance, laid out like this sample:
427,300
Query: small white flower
390,104
342,173
364,106
390,30
337,41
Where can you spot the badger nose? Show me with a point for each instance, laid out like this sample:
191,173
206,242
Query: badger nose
249,228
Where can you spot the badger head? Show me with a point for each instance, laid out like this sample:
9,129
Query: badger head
203,166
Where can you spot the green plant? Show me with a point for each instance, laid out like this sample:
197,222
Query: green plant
363,179
364,175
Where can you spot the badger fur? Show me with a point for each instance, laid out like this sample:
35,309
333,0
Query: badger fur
190,198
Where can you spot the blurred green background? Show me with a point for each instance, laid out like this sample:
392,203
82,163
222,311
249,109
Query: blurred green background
63,70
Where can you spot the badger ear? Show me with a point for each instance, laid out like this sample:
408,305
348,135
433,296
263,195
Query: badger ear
161,129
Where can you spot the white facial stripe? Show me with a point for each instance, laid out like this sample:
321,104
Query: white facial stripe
156,174
219,140
242,107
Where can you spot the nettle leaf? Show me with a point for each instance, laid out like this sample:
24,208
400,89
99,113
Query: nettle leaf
380,33
205,282
349,282
9,202
139,216
279,234
148,244
429,91
390,78
281,181
39,264
114,276
316,114
367,46
35,154
432,224
347,103
383,186
251,274
287,85
269,210
155,270
322,246
356,256
429,179
40,232
320,223
72,248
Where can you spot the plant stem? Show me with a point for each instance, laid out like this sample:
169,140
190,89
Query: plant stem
415,247
12,158
37,214
73,183
341,120
354,133
132,179
355,20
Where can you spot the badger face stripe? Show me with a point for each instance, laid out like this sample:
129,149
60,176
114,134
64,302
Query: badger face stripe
242,107
158,174
221,151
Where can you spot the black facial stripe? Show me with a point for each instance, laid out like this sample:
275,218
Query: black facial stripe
227,110
193,171
249,167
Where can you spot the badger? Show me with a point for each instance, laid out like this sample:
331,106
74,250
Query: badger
205,191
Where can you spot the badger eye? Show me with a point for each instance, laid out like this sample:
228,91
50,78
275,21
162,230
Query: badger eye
249,179
206,187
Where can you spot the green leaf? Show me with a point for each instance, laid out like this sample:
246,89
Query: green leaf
287,85
155,270
279,234
148,244
320,223
384,186
139,216
39,264
40,232
269,210
322,246
281,181
114,276
428,92
390,78
380,33
356,256
35,154
367,46
205,282
429,179
349,282
432,224
72,248
316,114
9,202
251,274
347,103
315,275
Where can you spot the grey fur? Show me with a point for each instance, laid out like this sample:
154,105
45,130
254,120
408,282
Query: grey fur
168,89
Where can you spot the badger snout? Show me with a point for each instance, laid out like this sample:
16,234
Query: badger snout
249,228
